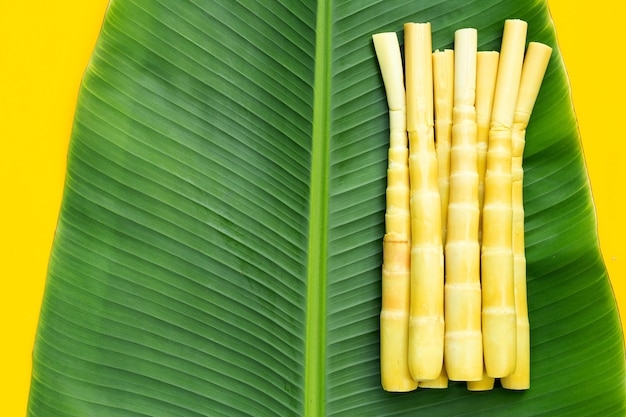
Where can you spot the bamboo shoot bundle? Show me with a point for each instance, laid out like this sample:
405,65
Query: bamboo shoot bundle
454,182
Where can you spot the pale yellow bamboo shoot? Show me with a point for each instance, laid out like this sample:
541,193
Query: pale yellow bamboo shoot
426,323
533,70
486,73
443,90
443,85
440,382
394,315
463,355
499,316
486,383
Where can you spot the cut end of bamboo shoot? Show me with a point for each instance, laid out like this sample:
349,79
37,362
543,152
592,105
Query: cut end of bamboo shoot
440,382
419,76
465,44
395,376
533,70
426,348
509,71
387,49
394,316
499,341
484,384
519,379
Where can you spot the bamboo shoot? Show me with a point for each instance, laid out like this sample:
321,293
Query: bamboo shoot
535,64
463,355
499,317
426,323
394,315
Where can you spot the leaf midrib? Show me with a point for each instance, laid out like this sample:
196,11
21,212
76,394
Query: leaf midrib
314,384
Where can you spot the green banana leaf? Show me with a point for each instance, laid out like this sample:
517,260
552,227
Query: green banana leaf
218,249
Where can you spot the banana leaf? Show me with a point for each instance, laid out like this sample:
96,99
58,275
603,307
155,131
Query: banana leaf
218,248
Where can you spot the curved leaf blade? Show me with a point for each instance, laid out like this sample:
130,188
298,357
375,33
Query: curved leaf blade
179,277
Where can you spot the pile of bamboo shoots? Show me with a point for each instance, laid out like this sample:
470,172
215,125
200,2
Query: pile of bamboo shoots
454,277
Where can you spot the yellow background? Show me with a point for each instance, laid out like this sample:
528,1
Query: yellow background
44,48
